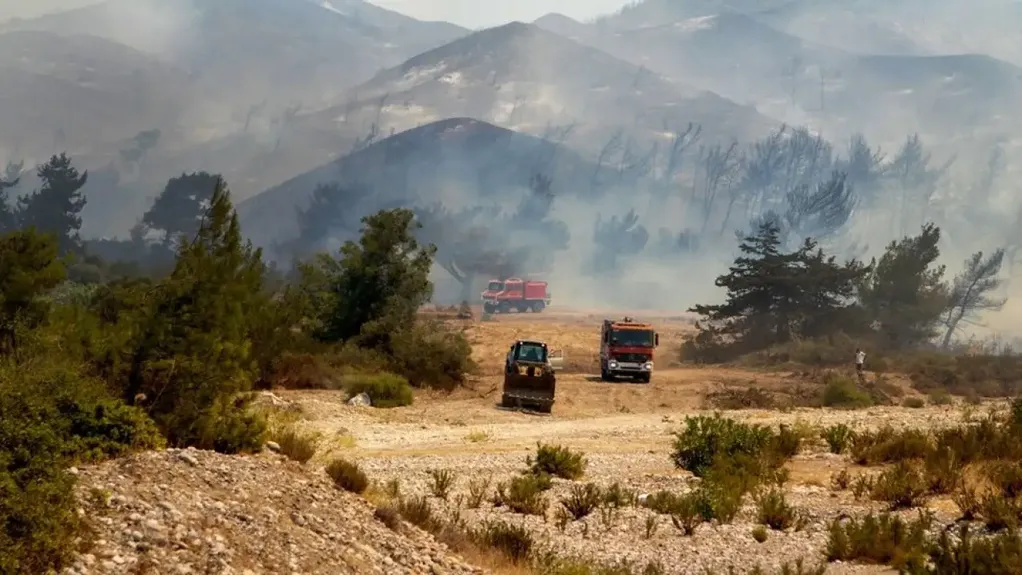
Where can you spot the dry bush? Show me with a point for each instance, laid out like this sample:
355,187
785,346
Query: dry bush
297,444
582,500
984,375
478,489
740,398
347,475
441,482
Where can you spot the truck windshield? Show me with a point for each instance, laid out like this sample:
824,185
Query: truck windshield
632,337
531,352
495,286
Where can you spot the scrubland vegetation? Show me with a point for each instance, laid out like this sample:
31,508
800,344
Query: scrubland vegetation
99,359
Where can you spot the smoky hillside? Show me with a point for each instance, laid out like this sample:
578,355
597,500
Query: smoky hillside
620,158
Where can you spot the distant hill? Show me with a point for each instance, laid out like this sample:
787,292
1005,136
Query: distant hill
249,50
750,58
459,161
73,92
526,78
907,27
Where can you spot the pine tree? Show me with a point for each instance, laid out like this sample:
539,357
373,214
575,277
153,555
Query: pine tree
378,284
28,268
194,356
57,206
775,297
906,292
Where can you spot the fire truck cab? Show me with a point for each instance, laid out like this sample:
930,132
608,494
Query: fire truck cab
627,349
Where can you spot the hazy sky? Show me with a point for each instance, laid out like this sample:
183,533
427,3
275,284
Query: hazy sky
468,13
482,13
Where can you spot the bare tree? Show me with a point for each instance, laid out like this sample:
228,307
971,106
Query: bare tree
720,171
917,183
616,237
681,142
609,150
820,211
285,121
970,292
865,167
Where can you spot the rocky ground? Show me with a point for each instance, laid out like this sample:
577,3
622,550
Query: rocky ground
190,512
195,512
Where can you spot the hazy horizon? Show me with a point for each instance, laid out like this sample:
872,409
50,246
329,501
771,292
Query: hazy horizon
466,13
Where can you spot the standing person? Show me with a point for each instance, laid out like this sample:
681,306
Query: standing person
860,358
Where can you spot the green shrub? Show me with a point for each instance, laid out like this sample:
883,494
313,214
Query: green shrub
886,445
844,392
229,426
429,354
838,437
38,522
514,541
706,439
883,540
759,534
558,461
773,510
902,486
1000,553
913,403
347,475
786,443
523,494
689,511
943,470
384,389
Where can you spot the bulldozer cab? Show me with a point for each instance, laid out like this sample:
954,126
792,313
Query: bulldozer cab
529,380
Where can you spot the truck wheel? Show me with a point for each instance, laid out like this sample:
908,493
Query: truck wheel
507,401
537,306
645,378
603,374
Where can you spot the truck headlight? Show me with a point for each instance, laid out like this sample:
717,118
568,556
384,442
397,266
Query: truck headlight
613,365
648,366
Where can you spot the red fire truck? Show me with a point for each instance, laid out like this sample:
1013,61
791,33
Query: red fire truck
626,349
502,296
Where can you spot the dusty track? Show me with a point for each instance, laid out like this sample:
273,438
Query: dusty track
626,430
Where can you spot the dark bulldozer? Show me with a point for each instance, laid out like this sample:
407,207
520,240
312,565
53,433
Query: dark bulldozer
529,381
